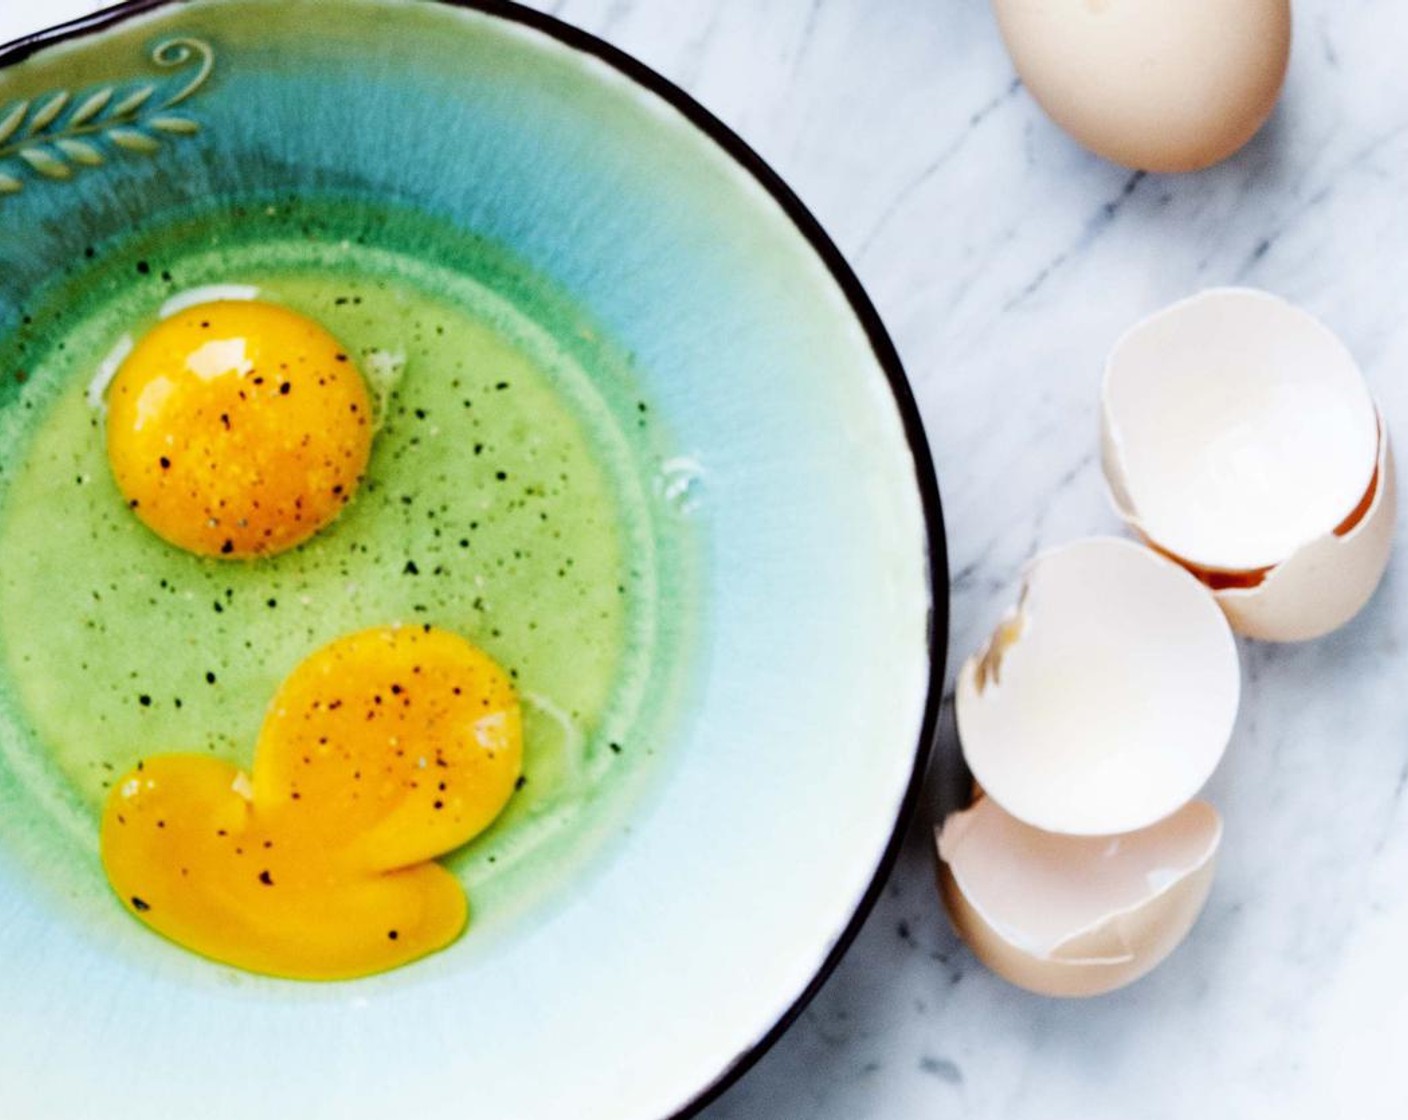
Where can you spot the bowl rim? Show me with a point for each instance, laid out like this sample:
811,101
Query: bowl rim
886,355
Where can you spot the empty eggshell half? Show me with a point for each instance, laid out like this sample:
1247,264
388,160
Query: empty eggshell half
1075,916
1237,434
1106,697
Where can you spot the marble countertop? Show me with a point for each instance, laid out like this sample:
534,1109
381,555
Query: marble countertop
1005,262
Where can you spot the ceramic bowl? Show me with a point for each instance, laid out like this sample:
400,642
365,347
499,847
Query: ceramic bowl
687,942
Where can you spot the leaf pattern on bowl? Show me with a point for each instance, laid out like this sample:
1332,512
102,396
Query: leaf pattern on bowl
53,136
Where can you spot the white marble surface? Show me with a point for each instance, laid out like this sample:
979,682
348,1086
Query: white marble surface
1005,262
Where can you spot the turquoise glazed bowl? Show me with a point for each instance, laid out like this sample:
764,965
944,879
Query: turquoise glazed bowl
786,652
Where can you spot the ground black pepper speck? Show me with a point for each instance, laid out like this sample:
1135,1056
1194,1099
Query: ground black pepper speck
484,559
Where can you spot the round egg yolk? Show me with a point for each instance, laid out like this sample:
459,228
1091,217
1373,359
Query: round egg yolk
238,428
383,750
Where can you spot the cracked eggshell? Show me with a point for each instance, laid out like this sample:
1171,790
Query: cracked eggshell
1239,437
1075,916
1106,697
1326,583
1173,85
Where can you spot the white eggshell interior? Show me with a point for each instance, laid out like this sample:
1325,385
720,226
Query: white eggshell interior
1327,582
1075,916
1238,428
1109,696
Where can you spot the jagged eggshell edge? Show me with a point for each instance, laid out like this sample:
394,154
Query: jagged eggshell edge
1112,454
1110,953
980,688
1327,582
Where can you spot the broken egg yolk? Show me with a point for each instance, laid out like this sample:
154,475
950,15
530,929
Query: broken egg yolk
237,428
381,751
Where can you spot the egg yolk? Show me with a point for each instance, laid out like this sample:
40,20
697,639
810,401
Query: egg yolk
380,752
238,428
